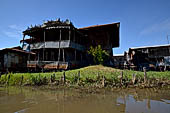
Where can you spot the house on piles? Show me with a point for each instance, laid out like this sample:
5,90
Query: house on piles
152,57
60,45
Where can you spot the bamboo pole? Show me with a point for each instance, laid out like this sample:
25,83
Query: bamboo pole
121,77
64,78
103,81
78,77
145,74
22,77
133,78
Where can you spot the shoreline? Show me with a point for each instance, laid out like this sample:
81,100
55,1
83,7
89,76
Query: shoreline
92,77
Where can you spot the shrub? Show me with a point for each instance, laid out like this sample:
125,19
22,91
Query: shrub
99,55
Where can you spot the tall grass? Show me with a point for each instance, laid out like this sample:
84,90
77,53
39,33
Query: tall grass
88,75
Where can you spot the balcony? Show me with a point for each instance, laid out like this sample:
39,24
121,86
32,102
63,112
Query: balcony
57,44
47,64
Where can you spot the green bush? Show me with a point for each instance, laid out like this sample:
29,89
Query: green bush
99,55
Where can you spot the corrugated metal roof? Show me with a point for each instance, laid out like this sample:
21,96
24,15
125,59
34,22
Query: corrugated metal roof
17,50
118,55
154,46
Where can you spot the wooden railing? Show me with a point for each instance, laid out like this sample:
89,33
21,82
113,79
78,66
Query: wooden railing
57,44
47,64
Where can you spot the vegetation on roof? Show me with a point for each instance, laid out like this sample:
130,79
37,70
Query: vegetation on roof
49,23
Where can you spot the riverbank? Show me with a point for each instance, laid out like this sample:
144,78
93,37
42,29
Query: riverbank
92,76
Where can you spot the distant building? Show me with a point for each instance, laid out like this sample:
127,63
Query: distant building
59,45
118,61
152,57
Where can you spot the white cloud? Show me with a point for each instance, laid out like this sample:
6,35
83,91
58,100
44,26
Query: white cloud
12,34
13,26
13,31
158,27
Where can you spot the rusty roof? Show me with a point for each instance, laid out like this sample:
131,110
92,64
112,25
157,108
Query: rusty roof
18,50
97,26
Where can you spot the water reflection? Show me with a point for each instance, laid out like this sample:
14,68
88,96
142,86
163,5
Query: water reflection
32,100
146,101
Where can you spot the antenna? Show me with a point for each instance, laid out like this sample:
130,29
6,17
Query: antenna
168,38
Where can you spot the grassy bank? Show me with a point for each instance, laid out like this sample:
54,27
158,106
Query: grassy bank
95,76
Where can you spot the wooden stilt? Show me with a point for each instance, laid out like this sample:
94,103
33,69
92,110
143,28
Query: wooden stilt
63,56
69,34
75,55
59,47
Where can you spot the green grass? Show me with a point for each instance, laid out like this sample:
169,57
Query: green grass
88,75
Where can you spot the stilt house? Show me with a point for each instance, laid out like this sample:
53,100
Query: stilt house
60,45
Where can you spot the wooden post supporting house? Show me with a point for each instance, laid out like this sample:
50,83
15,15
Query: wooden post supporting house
59,47
63,56
75,55
69,34
74,39
43,52
38,56
44,47
81,57
23,41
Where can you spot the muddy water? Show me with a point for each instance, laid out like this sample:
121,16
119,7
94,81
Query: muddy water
32,100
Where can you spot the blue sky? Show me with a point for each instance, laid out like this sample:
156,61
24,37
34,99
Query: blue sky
143,22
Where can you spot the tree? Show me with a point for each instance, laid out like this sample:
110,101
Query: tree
99,55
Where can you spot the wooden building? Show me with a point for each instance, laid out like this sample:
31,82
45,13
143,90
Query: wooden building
106,35
152,57
118,61
60,45
14,59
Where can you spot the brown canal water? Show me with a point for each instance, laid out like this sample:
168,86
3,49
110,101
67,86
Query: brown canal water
32,100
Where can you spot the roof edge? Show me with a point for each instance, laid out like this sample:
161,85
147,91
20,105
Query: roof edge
102,25
154,46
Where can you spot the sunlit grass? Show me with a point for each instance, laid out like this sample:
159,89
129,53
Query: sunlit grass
87,75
